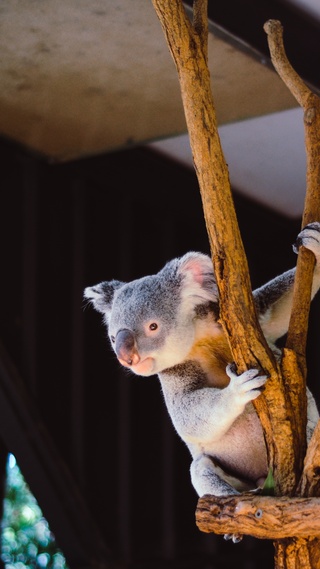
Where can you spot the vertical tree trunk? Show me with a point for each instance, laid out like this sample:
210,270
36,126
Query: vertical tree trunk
188,45
187,42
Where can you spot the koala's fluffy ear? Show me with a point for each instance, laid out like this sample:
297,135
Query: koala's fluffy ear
101,295
199,283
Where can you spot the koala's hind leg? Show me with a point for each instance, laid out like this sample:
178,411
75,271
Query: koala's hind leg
209,478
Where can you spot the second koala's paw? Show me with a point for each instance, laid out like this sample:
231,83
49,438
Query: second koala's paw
246,386
309,237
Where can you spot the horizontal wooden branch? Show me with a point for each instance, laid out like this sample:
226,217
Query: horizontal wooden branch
263,517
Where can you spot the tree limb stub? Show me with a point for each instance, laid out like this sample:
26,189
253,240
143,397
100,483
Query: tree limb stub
263,517
289,76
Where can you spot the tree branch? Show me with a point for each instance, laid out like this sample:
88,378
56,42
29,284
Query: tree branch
264,517
289,76
238,315
310,480
310,103
295,381
200,24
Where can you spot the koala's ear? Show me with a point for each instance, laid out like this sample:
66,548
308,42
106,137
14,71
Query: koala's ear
101,295
199,280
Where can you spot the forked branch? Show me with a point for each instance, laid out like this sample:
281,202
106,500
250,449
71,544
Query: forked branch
238,315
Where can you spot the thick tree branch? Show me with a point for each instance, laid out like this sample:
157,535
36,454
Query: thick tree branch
238,315
295,383
264,517
277,407
200,24
310,480
310,103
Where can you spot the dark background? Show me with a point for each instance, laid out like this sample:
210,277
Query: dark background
67,226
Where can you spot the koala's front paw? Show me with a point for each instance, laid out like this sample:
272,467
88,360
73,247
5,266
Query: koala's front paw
309,237
246,386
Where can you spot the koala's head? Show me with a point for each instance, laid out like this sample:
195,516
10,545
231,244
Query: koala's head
150,320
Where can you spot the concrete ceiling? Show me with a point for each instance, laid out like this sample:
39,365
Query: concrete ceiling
85,77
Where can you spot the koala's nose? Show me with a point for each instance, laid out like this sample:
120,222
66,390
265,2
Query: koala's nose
125,348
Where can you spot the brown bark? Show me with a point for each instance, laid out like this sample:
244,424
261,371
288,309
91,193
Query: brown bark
263,517
187,42
310,480
297,334
295,551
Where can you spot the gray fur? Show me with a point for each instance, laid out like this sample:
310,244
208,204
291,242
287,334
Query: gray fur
168,324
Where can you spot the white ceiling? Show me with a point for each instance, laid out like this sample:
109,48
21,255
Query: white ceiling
265,156
86,76
311,7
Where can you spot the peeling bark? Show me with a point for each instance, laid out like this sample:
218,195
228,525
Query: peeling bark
297,553
282,407
187,45
263,517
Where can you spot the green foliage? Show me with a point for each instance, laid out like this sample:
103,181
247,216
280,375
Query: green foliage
269,484
27,541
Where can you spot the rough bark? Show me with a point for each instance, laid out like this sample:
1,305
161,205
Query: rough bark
310,480
263,517
283,426
297,552
188,45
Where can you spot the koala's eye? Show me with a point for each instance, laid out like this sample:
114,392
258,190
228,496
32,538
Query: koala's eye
112,339
153,326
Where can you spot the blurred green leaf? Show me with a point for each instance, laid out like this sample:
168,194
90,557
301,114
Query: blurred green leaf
27,542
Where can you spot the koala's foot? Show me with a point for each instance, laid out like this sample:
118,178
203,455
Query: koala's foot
236,537
309,237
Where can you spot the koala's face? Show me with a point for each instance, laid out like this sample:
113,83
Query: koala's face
151,321
147,329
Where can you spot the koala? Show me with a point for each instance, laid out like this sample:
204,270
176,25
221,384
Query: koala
168,324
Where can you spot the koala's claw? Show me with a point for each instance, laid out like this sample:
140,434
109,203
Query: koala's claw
236,537
246,386
309,237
